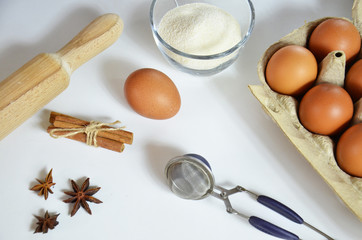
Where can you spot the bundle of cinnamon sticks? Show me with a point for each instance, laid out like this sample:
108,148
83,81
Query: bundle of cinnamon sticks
113,140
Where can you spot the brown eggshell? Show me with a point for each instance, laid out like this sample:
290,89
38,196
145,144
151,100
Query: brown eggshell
152,94
335,35
326,109
291,70
349,151
353,83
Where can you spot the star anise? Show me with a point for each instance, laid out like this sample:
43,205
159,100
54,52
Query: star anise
44,186
46,222
81,196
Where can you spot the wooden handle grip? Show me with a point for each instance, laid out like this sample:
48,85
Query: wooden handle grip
41,79
93,39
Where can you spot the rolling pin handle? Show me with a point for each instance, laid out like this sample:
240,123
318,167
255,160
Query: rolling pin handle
93,39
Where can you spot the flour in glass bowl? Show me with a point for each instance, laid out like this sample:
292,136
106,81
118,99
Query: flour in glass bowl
199,29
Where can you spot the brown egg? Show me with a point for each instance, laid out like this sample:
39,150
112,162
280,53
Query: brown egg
353,82
335,34
326,109
291,70
152,94
349,151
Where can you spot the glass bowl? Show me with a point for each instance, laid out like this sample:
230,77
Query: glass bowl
203,65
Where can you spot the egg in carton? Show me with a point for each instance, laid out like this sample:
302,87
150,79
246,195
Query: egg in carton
317,149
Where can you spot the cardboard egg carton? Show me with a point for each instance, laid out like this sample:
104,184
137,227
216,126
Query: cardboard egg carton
318,150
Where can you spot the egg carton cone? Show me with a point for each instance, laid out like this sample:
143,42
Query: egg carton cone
317,149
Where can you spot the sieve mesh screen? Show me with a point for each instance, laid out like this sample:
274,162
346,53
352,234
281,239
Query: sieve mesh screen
188,180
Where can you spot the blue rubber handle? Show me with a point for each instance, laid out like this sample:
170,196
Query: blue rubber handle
272,229
280,208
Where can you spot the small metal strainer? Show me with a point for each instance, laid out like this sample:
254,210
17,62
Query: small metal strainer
190,177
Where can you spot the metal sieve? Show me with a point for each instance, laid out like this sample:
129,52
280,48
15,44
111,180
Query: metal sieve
190,176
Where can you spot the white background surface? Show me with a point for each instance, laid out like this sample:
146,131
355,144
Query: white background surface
219,119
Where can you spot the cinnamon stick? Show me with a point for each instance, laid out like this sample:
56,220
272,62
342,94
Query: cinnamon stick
65,121
101,141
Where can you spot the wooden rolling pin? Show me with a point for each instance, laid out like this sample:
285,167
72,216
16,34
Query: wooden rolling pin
41,79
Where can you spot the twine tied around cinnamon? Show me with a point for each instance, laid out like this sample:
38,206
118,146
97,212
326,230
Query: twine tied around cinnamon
91,131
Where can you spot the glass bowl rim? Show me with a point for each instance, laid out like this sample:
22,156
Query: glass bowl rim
206,57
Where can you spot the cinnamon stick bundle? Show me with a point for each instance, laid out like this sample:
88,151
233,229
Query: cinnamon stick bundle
113,140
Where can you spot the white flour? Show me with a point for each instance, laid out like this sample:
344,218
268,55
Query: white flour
200,29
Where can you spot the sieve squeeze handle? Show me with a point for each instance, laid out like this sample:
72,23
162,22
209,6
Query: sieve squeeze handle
271,229
286,212
280,208
256,222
